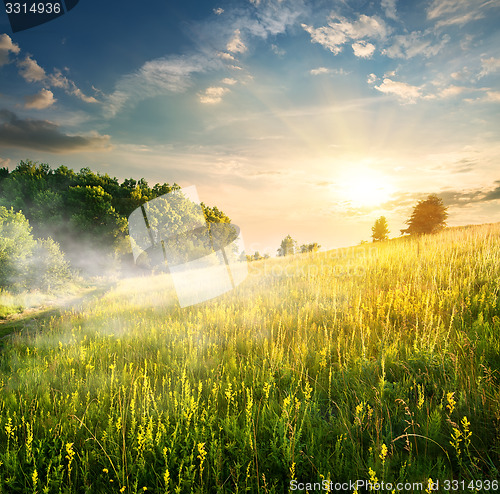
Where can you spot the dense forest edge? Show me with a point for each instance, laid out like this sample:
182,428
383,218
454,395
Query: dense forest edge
52,220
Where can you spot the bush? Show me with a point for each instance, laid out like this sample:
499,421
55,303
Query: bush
26,263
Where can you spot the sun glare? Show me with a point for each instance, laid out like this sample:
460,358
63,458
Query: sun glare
364,188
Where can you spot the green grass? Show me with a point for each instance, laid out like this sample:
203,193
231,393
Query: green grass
379,361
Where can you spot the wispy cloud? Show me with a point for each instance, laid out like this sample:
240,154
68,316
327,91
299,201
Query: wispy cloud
416,43
218,11
278,51
157,77
40,101
6,47
339,31
57,79
458,12
389,7
43,135
489,65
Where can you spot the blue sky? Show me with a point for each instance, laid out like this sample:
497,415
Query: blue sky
294,117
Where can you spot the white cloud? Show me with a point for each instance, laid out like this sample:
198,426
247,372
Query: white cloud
339,31
389,7
218,11
236,45
320,70
226,56
213,95
363,49
404,91
371,79
416,43
6,47
41,100
229,81
493,96
489,65
452,91
30,70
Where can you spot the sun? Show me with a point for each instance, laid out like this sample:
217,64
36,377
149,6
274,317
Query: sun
364,188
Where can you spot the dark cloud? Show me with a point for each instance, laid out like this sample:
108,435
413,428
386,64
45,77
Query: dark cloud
494,194
451,198
43,135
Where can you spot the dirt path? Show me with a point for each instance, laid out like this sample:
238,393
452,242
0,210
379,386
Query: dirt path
30,318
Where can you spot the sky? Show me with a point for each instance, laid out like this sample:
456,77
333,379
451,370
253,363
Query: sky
308,118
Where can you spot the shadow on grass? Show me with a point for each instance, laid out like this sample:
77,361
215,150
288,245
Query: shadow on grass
32,319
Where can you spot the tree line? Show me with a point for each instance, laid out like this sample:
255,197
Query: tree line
60,211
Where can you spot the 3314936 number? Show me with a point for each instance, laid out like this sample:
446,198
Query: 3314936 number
33,8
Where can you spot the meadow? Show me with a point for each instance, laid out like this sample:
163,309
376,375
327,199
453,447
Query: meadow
379,362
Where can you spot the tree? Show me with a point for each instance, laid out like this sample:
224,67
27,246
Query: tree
314,247
380,230
428,216
26,263
288,246
16,245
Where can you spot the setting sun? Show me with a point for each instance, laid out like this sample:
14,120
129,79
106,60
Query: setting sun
364,188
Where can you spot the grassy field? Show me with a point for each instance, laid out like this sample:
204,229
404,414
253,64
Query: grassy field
376,363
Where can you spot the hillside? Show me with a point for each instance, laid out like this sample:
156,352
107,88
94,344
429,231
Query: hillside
378,362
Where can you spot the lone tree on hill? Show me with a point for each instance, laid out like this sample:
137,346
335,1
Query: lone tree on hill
380,230
428,216
288,246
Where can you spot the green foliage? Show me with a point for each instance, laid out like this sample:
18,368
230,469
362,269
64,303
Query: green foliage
256,257
82,207
313,247
380,230
26,263
47,268
16,245
428,216
288,246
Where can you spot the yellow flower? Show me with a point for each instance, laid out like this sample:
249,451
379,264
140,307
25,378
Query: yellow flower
451,402
383,453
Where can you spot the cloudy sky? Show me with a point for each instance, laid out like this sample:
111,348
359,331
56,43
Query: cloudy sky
309,118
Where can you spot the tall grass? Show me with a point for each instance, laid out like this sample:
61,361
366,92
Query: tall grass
375,362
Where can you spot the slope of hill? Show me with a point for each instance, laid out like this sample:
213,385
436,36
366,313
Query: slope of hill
378,364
